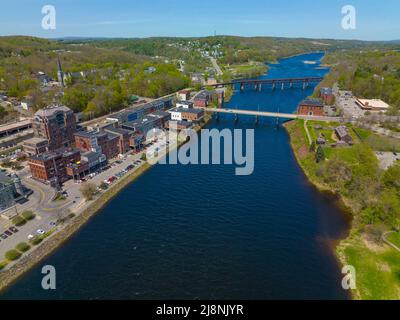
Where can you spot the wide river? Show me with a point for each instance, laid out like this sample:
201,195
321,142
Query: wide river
200,232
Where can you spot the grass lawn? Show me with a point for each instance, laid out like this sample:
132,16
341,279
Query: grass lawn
377,270
394,238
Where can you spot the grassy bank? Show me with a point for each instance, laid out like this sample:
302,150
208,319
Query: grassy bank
370,195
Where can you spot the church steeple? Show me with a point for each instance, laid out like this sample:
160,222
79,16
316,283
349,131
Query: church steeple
60,73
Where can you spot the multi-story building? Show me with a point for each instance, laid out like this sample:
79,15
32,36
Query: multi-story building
51,167
327,96
35,146
189,114
123,138
311,107
56,124
11,191
101,142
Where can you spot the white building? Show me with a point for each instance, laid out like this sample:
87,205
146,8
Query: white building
184,104
375,105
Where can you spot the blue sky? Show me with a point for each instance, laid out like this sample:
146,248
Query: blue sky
376,20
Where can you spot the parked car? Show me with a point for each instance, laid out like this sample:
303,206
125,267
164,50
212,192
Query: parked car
3,236
8,233
30,237
40,231
13,229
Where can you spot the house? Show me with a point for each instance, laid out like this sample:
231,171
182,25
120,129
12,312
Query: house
342,133
327,96
374,105
184,95
311,107
185,104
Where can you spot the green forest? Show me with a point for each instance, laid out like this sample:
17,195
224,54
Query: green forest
368,73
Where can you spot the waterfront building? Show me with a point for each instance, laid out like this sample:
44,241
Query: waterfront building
185,104
56,124
311,107
35,146
374,105
327,96
144,125
178,125
101,142
192,115
123,138
51,167
206,97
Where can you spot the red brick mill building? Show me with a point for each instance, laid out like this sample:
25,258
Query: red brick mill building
311,107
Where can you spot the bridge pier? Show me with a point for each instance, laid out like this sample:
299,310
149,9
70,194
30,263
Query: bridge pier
291,84
273,85
283,85
257,120
242,87
304,86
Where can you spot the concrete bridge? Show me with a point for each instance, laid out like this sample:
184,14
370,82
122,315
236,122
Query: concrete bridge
287,116
258,83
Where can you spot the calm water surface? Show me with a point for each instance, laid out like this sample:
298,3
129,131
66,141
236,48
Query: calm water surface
200,232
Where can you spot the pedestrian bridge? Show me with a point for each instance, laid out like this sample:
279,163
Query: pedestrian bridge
288,116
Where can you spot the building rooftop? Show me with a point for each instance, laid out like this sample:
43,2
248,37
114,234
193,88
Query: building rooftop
373,104
89,134
52,110
4,179
312,103
117,131
326,91
35,141
192,110
63,152
342,131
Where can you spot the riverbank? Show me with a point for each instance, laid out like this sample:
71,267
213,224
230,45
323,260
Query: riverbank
61,236
376,263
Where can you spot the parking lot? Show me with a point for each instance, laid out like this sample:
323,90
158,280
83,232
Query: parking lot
348,104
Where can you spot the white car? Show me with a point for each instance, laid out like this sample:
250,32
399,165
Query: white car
30,237
39,231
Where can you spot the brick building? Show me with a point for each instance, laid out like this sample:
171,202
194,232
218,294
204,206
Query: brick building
35,146
101,142
51,167
56,124
327,96
311,107
188,114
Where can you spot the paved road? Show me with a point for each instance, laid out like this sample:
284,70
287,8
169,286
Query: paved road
216,66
